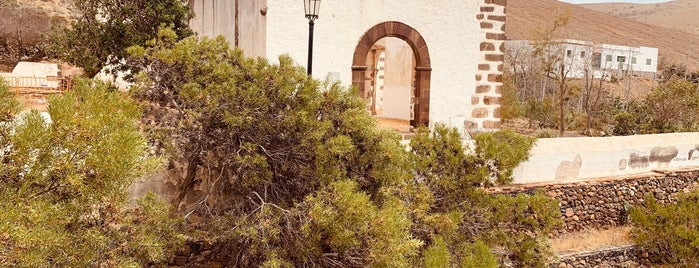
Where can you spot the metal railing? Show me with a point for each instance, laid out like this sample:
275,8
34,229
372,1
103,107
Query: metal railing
26,84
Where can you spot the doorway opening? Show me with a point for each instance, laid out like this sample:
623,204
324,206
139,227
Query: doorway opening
391,92
391,68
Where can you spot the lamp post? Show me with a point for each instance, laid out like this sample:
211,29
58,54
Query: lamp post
312,7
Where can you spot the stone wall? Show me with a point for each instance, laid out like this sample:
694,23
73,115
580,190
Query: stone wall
615,257
601,204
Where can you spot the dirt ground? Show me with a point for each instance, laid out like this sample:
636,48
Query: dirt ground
592,240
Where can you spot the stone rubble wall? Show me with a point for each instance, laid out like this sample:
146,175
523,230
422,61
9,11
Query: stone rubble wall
616,257
601,204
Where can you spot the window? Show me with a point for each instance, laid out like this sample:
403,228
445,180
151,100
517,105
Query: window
620,59
569,53
633,60
649,61
609,57
596,60
582,54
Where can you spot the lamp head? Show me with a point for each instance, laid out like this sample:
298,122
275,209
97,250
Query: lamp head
312,8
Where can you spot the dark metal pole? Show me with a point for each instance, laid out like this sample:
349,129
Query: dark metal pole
310,46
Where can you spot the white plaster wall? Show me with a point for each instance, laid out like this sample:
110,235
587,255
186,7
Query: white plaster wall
601,157
449,28
36,69
645,53
575,62
398,77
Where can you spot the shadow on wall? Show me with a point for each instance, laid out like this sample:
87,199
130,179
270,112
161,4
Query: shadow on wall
569,170
661,155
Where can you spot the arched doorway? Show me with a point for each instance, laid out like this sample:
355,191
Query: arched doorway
364,71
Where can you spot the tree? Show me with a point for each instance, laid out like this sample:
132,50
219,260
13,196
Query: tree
294,172
673,106
668,233
670,107
592,91
554,62
105,28
63,185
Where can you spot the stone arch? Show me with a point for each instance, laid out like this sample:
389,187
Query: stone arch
423,67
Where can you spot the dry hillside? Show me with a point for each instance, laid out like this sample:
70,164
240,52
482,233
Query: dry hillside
23,22
679,14
32,17
523,16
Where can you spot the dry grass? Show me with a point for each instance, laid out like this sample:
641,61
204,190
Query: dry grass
592,240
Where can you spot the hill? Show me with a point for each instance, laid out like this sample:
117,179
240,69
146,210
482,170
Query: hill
678,14
523,16
22,24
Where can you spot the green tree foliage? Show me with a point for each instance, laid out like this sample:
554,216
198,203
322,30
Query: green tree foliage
297,176
478,255
674,106
512,107
541,112
9,106
105,28
554,62
63,185
669,233
671,107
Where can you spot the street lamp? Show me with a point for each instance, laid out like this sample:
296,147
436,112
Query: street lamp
312,7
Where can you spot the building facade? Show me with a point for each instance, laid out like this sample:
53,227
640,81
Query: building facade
602,59
423,62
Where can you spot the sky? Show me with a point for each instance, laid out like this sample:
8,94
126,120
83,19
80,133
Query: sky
610,1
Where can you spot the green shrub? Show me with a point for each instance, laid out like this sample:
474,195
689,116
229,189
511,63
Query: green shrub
669,233
9,105
543,113
63,186
478,255
296,172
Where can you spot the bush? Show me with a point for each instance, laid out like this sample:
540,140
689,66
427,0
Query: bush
541,112
63,186
671,107
296,173
669,233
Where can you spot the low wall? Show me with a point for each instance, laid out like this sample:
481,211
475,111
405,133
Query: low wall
604,203
561,160
615,257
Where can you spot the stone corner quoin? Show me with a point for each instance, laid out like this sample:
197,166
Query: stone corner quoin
486,100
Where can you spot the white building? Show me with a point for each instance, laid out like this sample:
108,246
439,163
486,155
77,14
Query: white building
33,75
421,62
610,60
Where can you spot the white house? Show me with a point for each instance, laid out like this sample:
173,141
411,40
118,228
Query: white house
33,75
419,62
610,60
